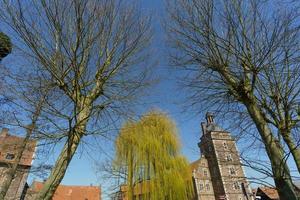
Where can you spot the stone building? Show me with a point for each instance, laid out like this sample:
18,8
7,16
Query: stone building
9,147
218,174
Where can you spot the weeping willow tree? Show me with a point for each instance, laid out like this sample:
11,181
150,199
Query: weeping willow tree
149,150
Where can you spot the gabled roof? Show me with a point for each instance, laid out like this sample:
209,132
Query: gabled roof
10,146
68,192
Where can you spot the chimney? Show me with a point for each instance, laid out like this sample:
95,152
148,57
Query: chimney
210,118
4,132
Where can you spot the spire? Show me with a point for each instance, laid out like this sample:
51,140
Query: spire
210,124
210,118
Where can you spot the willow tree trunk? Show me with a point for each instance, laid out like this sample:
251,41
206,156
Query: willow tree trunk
131,185
294,149
66,155
275,153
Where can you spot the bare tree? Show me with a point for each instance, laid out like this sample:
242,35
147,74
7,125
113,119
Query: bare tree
93,52
243,56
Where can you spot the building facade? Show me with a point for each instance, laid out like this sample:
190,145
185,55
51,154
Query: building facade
9,147
218,174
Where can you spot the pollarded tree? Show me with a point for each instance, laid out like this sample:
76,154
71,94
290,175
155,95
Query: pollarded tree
92,52
149,150
244,56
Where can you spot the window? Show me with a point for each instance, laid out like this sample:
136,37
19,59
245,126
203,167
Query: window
236,186
205,172
207,186
232,171
10,156
228,157
209,149
225,145
201,186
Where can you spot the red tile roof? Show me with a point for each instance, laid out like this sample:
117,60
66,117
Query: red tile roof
66,192
10,144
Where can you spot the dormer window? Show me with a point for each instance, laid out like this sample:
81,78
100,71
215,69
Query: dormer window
10,156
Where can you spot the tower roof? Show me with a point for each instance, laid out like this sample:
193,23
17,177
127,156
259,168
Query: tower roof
210,124
213,127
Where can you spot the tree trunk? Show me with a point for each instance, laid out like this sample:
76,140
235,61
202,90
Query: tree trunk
275,153
293,148
66,155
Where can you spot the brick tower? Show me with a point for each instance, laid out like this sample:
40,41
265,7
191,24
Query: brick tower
219,151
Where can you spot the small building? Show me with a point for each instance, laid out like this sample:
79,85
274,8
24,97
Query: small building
10,146
67,192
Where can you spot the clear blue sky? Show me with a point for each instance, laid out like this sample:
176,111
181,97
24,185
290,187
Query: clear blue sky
165,95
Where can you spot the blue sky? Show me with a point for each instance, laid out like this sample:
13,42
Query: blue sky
166,95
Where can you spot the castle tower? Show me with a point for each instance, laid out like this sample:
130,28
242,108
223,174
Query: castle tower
223,161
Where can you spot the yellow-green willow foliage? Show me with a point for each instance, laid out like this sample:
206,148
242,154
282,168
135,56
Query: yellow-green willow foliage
150,151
